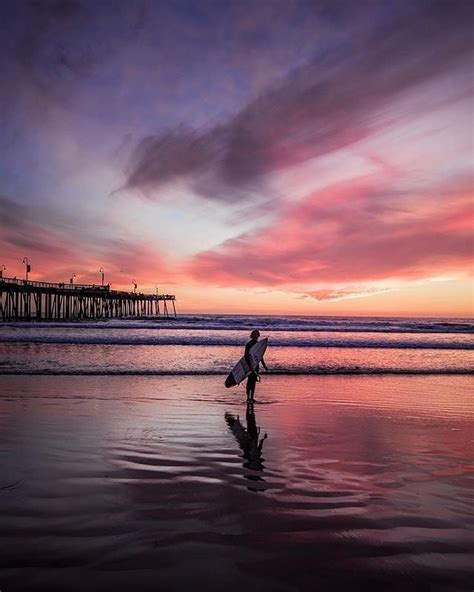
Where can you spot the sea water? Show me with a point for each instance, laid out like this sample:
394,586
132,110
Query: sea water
211,344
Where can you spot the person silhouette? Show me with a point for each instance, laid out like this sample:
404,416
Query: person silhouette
249,442
254,376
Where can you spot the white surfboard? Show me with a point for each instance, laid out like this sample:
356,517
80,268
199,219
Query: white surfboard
241,370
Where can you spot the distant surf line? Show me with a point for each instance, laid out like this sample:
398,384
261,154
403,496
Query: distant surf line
457,330
192,342
298,372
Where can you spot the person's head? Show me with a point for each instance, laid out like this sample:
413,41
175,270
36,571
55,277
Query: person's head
255,334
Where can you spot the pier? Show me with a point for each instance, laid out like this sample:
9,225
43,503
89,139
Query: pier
24,300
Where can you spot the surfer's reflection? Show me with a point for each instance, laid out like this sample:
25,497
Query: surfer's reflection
251,444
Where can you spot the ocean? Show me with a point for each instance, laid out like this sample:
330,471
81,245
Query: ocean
126,464
211,344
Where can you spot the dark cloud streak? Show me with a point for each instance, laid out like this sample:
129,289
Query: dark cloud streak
326,105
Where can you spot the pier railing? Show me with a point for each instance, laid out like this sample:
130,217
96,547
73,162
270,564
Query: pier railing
33,300
59,286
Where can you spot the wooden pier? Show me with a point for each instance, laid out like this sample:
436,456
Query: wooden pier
22,300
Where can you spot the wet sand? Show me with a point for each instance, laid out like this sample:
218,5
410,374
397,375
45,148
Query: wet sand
154,483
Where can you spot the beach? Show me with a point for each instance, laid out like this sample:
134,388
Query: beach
151,481
119,482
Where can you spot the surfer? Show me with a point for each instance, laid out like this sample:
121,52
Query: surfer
254,375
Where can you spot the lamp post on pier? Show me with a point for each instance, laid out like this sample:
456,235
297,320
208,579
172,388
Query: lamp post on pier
27,267
102,272
135,286
2,269
71,279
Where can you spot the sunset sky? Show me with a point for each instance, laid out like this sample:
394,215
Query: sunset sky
262,157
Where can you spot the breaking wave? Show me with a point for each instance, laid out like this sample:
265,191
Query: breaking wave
270,323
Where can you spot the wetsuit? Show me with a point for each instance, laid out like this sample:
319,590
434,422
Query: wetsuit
252,379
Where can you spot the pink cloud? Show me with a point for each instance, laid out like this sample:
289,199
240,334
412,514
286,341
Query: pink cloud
351,233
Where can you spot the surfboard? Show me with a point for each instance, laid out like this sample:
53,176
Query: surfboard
241,370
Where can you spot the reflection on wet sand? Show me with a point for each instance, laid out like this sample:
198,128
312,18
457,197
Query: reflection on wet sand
251,445
136,483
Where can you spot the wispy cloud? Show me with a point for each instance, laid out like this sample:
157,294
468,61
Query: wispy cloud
347,293
19,231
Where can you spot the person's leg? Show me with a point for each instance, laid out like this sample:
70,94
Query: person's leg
251,381
254,382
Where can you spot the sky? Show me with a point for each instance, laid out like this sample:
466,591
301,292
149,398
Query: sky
265,156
